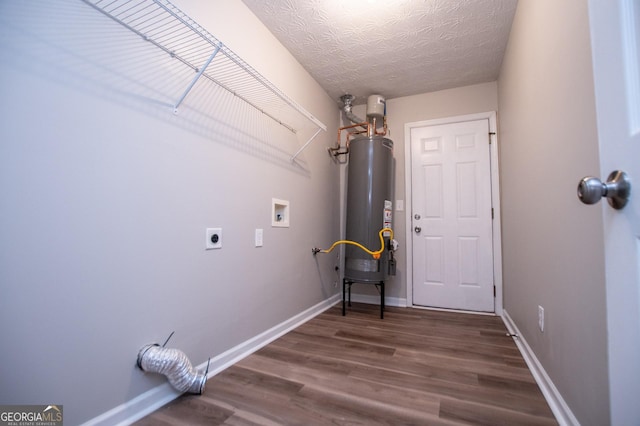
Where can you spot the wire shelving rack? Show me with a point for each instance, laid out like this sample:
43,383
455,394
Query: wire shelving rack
162,24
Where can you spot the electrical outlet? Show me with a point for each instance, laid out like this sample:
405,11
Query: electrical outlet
213,238
541,318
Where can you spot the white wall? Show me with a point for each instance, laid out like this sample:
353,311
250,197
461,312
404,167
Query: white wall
553,244
444,103
105,196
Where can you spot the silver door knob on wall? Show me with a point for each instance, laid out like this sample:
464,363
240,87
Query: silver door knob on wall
417,229
617,189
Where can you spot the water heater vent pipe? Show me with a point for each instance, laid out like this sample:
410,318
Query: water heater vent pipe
347,101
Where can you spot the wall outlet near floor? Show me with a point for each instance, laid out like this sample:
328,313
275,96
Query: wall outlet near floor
541,318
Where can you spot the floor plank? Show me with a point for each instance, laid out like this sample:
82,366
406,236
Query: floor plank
413,367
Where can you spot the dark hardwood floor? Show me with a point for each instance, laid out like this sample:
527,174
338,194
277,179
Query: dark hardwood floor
414,367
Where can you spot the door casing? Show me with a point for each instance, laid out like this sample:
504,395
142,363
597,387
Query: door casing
495,198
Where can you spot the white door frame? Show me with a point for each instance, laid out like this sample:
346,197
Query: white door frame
495,198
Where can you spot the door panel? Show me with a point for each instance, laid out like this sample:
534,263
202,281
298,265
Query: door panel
468,249
451,218
432,180
434,260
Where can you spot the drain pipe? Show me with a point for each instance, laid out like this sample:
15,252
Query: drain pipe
174,364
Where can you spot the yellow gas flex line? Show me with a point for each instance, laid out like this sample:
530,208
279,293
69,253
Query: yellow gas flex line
375,254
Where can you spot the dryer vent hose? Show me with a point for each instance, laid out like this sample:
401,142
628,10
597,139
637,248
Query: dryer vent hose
174,364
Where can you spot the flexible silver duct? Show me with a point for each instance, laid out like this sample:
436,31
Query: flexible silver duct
174,364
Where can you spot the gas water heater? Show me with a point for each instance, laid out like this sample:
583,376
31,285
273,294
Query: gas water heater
369,254
370,198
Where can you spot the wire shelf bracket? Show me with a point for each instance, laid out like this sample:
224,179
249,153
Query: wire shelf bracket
162,24
303,147
196,78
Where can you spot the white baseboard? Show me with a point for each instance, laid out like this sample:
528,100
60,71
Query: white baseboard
458,311
153,399
375,300
559,407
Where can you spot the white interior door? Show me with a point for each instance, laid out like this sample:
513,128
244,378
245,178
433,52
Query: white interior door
615,39
451,216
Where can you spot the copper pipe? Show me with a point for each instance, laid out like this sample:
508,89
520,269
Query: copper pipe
384,127
370,130
336,151
363,124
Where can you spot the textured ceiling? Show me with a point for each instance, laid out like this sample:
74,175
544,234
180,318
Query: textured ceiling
392,47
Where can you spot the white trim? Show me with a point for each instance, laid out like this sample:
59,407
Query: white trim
495,197
408,208
153,399
559,407
375,300
457,311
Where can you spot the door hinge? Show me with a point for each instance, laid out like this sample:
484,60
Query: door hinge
491,213
491,134
494,291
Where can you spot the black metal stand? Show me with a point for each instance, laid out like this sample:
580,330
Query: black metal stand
347,283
